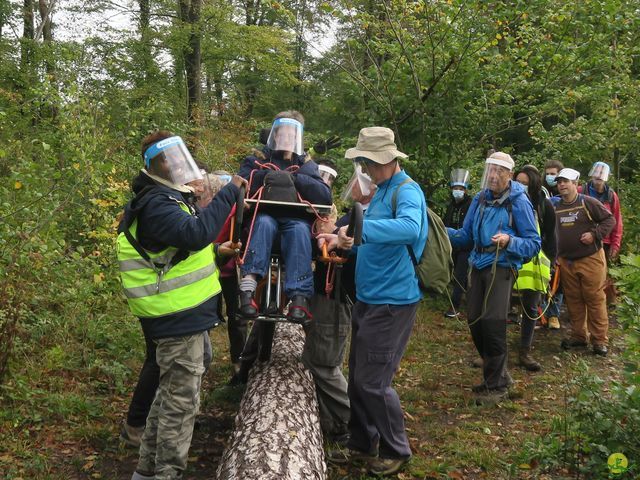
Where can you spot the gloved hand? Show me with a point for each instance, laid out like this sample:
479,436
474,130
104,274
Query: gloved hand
323,145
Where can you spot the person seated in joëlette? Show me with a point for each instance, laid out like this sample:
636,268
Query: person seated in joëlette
284,175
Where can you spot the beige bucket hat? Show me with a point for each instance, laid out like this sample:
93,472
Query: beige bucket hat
377,144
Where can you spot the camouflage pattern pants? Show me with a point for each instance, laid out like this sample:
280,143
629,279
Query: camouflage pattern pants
167,435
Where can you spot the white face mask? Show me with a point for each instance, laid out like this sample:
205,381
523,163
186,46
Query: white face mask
457,194
526,188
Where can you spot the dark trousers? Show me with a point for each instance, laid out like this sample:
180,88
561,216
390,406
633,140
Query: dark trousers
236,324
530,301
487,307
460,273
145,391
379,336
323,355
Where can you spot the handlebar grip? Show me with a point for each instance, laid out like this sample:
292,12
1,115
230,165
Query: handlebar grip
236,226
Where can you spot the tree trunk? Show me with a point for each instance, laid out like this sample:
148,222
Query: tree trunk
27,33
277,434
146,56
190,14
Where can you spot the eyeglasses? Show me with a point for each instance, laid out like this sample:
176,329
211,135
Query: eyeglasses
364,160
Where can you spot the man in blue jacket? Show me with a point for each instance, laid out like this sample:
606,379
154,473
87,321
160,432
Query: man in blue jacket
284,173
387,294
171,283
501,230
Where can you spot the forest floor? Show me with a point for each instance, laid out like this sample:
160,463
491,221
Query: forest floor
450,436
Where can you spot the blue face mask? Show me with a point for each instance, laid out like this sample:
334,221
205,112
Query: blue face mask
551,180
457,194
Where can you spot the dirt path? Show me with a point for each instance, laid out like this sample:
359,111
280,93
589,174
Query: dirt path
450,436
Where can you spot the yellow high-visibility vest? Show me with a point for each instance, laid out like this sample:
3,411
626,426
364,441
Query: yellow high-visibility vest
536,274
156,287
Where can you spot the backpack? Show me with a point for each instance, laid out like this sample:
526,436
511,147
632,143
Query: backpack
435,265
278,185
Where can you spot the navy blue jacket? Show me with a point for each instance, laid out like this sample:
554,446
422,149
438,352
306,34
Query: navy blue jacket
161,224
306,179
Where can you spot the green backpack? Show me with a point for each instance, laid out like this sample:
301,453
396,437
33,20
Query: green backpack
435,265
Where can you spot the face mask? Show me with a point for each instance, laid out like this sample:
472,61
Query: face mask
457,194
526,188
551,180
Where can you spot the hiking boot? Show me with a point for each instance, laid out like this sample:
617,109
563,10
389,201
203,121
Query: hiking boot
601,350
568,343
387,466
527,361
491,396
299,310
553,323
481,387
477,362
131,436
348,455
339,438
142,475
451,313
248,305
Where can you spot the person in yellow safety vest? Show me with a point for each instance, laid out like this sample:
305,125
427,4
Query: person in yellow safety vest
533,278
170,280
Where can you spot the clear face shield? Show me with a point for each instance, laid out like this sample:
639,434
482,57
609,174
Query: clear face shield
211,185
600,171
286,136
495,177
360,187
459,178
170,160
327,174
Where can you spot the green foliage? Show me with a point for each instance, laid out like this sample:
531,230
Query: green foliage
596,423
600,418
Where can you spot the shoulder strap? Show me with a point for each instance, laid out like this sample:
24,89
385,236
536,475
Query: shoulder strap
394,204
586,209
180,255
394,198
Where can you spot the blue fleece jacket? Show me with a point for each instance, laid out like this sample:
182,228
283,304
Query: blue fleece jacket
482,222
385,273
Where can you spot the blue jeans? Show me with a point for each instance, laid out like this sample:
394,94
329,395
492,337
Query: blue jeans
295,247
554,307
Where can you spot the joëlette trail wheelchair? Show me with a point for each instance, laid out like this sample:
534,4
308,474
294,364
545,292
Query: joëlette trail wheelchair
270,296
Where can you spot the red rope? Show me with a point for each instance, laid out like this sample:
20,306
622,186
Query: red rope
253,221
330,279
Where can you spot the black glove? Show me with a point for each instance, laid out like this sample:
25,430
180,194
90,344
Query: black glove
323,145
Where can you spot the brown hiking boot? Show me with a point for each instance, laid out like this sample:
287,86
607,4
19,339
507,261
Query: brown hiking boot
382,467
131,436
491,397
554,323
527,361
343,456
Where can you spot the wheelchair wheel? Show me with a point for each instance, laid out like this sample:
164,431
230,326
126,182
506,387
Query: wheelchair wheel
355,223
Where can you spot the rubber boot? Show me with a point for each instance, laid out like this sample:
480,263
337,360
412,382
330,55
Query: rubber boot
527,361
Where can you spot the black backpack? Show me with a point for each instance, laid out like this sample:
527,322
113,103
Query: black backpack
279,186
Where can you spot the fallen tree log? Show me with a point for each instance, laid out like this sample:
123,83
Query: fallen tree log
277,432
